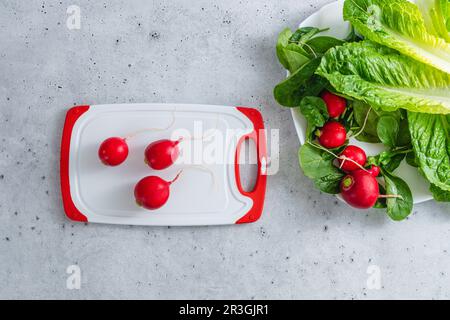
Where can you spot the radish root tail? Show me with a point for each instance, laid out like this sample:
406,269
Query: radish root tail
344,158
176,177
131,136
206,169
364,124
391,196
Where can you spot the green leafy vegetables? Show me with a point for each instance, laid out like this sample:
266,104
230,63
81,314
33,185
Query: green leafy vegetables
396,80
436,14
386,79
300,53
400,206
430,139
398,24
318,166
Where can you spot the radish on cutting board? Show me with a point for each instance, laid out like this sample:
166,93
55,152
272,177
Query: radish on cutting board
152,192
161,154
92,194
113,151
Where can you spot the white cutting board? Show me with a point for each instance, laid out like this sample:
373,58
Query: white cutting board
205,193
331,16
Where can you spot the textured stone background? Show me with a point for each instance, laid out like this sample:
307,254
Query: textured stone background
307,245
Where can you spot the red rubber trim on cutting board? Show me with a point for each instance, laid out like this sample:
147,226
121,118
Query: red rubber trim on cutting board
69,207
259,191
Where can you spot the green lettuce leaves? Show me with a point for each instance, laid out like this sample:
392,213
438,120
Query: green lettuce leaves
386,79
300,53
440,195
398,208
398,24
430,137
436,14
302,83
318,166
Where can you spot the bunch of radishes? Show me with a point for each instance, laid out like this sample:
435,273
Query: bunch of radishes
151,192
359,188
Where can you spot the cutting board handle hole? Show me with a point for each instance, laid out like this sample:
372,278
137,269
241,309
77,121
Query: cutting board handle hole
248,165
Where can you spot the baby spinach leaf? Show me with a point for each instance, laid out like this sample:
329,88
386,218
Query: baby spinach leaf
412,160
353,37
388,160
313,163
322,44
318,166
439,194
315,111
394,162
290,55
362,111
386,127
304,34
283,41
302,37
403,137
381,202
398,208
330,183
297,48
387,130
364,137
294,59
300,84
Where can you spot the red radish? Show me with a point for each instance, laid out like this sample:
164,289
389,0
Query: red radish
332,135
360,189
335,105
374,170
113,151
162,154
152,192
352,158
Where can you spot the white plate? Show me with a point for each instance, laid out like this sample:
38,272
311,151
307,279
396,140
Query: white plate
94,192
330,16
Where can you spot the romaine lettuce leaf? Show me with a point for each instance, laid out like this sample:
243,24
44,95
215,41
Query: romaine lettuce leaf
435,16
447,16
431,142
385,79
439,194
398,24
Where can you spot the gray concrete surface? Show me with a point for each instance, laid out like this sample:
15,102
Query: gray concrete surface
307,245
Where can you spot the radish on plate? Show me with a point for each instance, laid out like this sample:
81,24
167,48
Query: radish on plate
152,192
336,105
374,170
113,151
352,158
360,189
332,135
